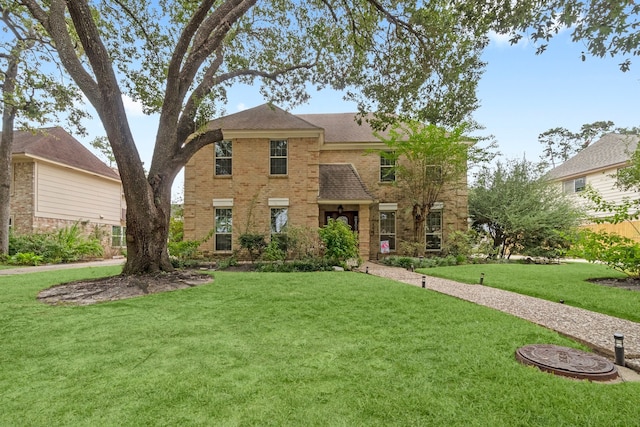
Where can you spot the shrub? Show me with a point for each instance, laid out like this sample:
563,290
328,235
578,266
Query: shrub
303,243
617,252
340,243
65,245
253,243
232,261
412,249
303,265
183,250
273,252
28,258
459,243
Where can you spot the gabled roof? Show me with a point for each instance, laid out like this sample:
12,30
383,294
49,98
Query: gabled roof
57,145
612,150
342,182
262,117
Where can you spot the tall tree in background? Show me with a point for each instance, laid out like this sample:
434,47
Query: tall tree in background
561,144
30,95
178,59
520,210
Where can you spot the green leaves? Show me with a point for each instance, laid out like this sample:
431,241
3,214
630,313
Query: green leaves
340,242
519,209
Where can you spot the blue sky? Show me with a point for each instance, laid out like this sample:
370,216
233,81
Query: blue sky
521,95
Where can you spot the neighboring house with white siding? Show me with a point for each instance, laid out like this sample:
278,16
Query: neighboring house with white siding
596,166
57,182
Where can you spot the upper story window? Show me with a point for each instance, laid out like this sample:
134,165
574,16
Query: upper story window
278,157
223,155
387,169
574,185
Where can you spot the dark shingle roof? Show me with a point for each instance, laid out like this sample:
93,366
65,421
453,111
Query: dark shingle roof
262,117
341,127
342,182
57,145
609,151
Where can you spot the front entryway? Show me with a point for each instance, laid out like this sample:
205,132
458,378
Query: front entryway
348,217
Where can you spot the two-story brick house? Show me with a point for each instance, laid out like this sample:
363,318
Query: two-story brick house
275,169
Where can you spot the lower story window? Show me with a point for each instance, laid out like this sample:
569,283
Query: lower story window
388,229
223,230
279,219
118,236
433,227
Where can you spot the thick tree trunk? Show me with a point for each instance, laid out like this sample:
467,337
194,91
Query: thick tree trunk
6,144
5,185
147,231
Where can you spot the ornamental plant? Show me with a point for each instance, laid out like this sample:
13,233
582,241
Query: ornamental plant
340,242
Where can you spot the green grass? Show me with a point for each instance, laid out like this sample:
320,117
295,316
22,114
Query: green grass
283,349
553,282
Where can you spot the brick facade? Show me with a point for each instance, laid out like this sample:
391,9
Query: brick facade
250,187
22,197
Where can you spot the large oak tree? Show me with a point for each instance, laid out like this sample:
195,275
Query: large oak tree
179,57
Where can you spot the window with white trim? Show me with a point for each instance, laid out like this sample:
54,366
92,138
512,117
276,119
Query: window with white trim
387,169
278,150
118,236
223,158
279,219
388,228
433,226
575,185
223,229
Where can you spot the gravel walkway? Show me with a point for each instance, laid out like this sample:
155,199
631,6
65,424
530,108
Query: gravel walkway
592,329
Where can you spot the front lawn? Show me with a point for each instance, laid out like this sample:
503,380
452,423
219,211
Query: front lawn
553,282
283,349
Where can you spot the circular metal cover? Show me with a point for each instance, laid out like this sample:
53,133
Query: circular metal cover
568,362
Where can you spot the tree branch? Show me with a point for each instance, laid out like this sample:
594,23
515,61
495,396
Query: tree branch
55,24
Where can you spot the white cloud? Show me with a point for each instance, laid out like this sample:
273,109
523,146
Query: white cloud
503,39
241,106
133,108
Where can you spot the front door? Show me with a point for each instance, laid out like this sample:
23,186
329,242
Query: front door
348,217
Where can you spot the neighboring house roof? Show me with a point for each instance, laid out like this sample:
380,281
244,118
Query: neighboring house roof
262,117
611,150
342,182
57,145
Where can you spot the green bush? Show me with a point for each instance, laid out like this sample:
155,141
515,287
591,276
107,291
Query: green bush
422,262
617,252
253,243
460,243
303,265
65,245
183,253
28,258
340,243
274,252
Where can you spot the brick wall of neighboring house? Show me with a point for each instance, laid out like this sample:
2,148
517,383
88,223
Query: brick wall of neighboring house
251,187
22,197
